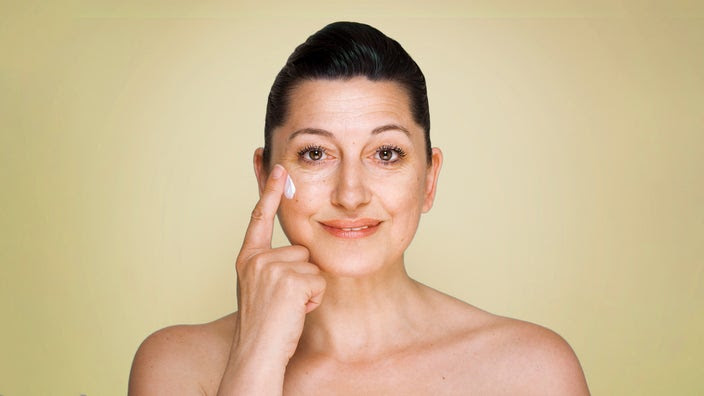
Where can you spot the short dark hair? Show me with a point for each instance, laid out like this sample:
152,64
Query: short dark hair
342,50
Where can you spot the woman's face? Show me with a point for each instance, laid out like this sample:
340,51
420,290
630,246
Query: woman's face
358,161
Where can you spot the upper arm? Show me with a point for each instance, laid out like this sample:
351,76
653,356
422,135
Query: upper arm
164,366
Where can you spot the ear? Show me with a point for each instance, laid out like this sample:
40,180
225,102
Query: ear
431,179
260,169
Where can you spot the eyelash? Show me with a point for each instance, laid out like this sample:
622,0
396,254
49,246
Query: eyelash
398,150
307,149
302,152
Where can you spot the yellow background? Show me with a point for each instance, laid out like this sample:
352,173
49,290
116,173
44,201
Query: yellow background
572,193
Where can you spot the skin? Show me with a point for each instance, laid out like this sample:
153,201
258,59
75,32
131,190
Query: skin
335,312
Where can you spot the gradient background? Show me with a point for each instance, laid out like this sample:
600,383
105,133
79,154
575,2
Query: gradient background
572,193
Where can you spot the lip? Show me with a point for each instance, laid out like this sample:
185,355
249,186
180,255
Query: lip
351,229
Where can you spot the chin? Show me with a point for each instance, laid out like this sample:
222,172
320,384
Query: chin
348,263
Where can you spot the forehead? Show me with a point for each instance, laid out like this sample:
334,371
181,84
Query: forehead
353,104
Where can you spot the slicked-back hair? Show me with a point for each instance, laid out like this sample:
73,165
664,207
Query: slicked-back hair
342,50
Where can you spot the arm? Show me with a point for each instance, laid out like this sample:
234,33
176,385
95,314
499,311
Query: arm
276,289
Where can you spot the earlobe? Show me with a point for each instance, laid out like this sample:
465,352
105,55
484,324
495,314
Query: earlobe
260,169
431,179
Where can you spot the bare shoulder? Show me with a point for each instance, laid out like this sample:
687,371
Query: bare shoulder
182,359
532,359
500,355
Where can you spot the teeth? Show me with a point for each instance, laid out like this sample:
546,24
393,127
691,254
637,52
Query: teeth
356,228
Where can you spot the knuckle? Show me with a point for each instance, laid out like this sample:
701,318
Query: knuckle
241,263
258,262
239,266
248,262
275,270
311,269
301,251
290,283
258,213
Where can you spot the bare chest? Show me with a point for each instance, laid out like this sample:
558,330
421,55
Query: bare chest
421,375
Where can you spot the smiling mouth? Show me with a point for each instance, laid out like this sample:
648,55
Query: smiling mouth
355,228
351,229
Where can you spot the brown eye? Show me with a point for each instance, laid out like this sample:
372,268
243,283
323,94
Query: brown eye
312,154
315,154
389,154
385,155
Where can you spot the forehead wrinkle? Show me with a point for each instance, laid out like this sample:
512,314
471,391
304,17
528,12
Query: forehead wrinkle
342,108
349,100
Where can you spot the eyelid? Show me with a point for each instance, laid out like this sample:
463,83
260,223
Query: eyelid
392,147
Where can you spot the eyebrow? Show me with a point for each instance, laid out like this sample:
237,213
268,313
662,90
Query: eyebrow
311,131
323,132
390,127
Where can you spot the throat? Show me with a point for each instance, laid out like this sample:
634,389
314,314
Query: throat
359,320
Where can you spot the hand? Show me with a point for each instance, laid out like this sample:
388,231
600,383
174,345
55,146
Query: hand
276,288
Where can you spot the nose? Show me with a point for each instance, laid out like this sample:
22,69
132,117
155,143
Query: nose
351,190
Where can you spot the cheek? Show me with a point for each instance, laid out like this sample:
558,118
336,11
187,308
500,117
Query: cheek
312,192
311,188
402,202
399,193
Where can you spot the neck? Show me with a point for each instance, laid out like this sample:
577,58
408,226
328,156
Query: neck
360,318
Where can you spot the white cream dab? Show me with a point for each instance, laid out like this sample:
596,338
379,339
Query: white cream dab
289,188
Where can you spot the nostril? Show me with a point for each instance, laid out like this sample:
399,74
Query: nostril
351,196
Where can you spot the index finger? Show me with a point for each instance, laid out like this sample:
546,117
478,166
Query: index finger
261,224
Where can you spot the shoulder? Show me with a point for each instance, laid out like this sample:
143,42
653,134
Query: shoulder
529,359
496,354
180,359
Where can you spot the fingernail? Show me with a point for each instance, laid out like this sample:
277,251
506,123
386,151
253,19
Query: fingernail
289,188
277,171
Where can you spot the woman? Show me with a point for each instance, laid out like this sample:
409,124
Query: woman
348,167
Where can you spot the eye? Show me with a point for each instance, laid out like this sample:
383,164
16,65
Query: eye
390,154
312,154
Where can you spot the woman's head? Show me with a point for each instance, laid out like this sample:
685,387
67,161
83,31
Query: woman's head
355,149
343,50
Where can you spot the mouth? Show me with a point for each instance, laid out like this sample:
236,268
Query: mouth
351,229
354,229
